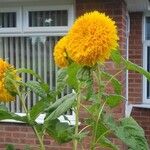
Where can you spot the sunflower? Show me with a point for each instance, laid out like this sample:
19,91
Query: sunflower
92,38
60,55
5,69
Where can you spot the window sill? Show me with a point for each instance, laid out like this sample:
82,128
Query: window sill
40,119
131,106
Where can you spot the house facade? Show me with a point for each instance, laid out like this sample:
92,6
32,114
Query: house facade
29,30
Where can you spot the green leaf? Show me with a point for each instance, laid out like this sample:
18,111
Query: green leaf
116,84
62,108
27,147
58,102
131,66
10,147
113,100
24,70
116,57
104,142
38,108
61,132
37,88
72,75
9,115
129,132
3,107
61,79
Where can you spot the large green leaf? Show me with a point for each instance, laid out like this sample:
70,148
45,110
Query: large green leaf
116,84
61,132
8,115
61,79
38,108
62,108
58,102
24,70
104,142
117,58
37,88
129,132
113,100
131,66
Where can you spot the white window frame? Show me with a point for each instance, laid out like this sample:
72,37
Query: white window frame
22,29
51,29
18,27
146,44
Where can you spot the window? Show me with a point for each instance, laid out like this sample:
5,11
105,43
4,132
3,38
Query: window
32,46
146,58
51,19
10,20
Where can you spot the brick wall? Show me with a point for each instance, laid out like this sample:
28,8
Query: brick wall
141,115
21,134
135,55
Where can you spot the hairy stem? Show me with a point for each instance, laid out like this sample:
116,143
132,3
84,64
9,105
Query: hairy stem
75,142
42,147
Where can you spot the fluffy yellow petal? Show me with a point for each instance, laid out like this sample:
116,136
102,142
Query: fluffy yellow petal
60,55
92,39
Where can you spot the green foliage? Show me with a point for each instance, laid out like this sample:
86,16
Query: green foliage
10,147
38,108
129,132
106,143
67,103
113,100
61,79
9,115
61,132
115,83
37,88
29,71
3,107
72,71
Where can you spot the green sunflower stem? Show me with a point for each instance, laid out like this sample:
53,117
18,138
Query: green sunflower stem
40,139
100,90
75,141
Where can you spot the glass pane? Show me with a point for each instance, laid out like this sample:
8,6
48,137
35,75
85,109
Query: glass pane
8,20
148,69
34,53
48,18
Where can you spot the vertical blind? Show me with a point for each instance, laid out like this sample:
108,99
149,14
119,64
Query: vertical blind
34,53
48,18
8,20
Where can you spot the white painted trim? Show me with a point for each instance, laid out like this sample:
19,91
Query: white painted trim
28,29
40,119
131,106
23,31
146,43
18,20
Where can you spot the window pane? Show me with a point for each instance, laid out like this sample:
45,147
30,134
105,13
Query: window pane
8,20
34,53
48,18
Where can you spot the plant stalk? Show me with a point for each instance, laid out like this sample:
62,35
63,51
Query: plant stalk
42,147
75,141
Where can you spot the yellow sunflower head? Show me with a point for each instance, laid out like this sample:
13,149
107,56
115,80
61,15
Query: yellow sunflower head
7,90
92,38
60,55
